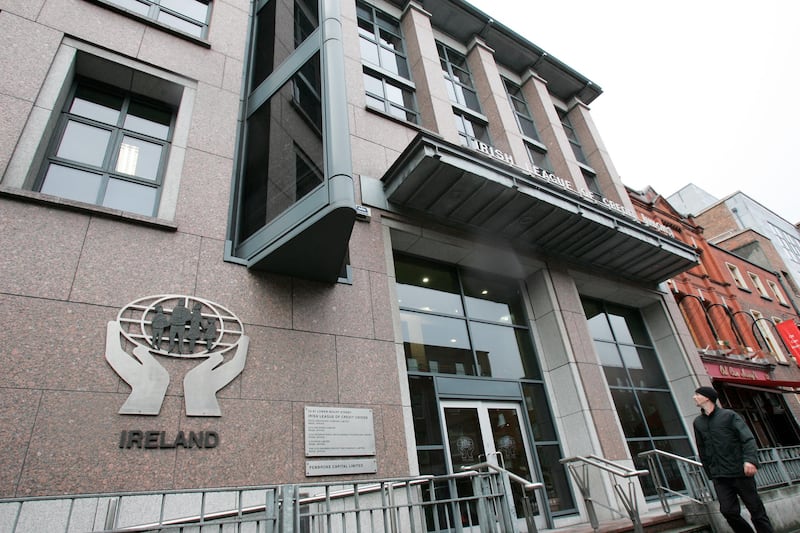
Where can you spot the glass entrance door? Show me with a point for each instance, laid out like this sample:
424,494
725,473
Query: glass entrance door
491,432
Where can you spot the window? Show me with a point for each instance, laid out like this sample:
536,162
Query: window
387,79
762,291
764,326
641,394
537,152
467,323
737,276
458,79
110,149
777,292
471,131
577,150
188,16
591,182
293,189
790,243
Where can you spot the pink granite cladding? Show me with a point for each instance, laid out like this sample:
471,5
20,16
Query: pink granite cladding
367,371
74,447
382,306
122,262
41,249
290,365
26,50
204,195
612,441
18,408
367,246
257,298
339,309
254,447
57,345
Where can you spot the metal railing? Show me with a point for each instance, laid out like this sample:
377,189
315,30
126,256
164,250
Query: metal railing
476,500
528,487
694,485
579,468
778,466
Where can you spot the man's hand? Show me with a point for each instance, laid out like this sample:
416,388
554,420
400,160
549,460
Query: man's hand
750,469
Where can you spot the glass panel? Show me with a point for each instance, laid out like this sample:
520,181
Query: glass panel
180,24
96,105
424,411
132,5
148,120
464,437
527,127
660,413
190,8
284,154
306,19
431,462
139,158
644,367
84,143
369,52
492,299
502,353
538,412
627,325
266,53
598,323
471,99
373,85
427,287
436,344
72,184
507,436
554,477
633,425
131,197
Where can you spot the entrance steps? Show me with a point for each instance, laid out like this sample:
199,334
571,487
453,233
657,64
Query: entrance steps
655,523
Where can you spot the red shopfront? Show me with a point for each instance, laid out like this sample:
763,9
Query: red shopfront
749,389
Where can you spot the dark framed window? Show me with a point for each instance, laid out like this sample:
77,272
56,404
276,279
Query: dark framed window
644,403
110,149
293,192
577,149
471,130
387,78
458,78
459,322
591,183
188,16
521,111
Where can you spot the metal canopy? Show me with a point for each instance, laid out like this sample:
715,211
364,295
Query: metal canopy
460,188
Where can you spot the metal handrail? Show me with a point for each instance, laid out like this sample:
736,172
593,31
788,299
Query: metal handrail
528,486
629,501
307,500
698,487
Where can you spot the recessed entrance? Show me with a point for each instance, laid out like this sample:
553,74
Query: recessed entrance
493,432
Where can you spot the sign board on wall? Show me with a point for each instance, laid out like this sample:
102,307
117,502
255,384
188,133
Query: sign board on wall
339,431
791,336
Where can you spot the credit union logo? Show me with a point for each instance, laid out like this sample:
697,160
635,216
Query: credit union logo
153,328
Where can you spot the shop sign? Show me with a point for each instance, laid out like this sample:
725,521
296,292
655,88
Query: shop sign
791,337
733,371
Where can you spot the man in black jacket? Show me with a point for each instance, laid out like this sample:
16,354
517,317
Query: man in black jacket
727,450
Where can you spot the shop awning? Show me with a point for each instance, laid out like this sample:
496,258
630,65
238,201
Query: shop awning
769,383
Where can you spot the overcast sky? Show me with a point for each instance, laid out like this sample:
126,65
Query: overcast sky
694,91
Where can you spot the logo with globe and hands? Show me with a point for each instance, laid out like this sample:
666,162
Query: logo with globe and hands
179,326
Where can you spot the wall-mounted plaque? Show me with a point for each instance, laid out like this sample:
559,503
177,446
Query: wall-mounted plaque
337,431
337,467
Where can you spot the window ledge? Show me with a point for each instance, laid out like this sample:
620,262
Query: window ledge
393,118
89,209
154,23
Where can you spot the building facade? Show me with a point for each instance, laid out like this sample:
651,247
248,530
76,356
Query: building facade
742,321
744,226
277,242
